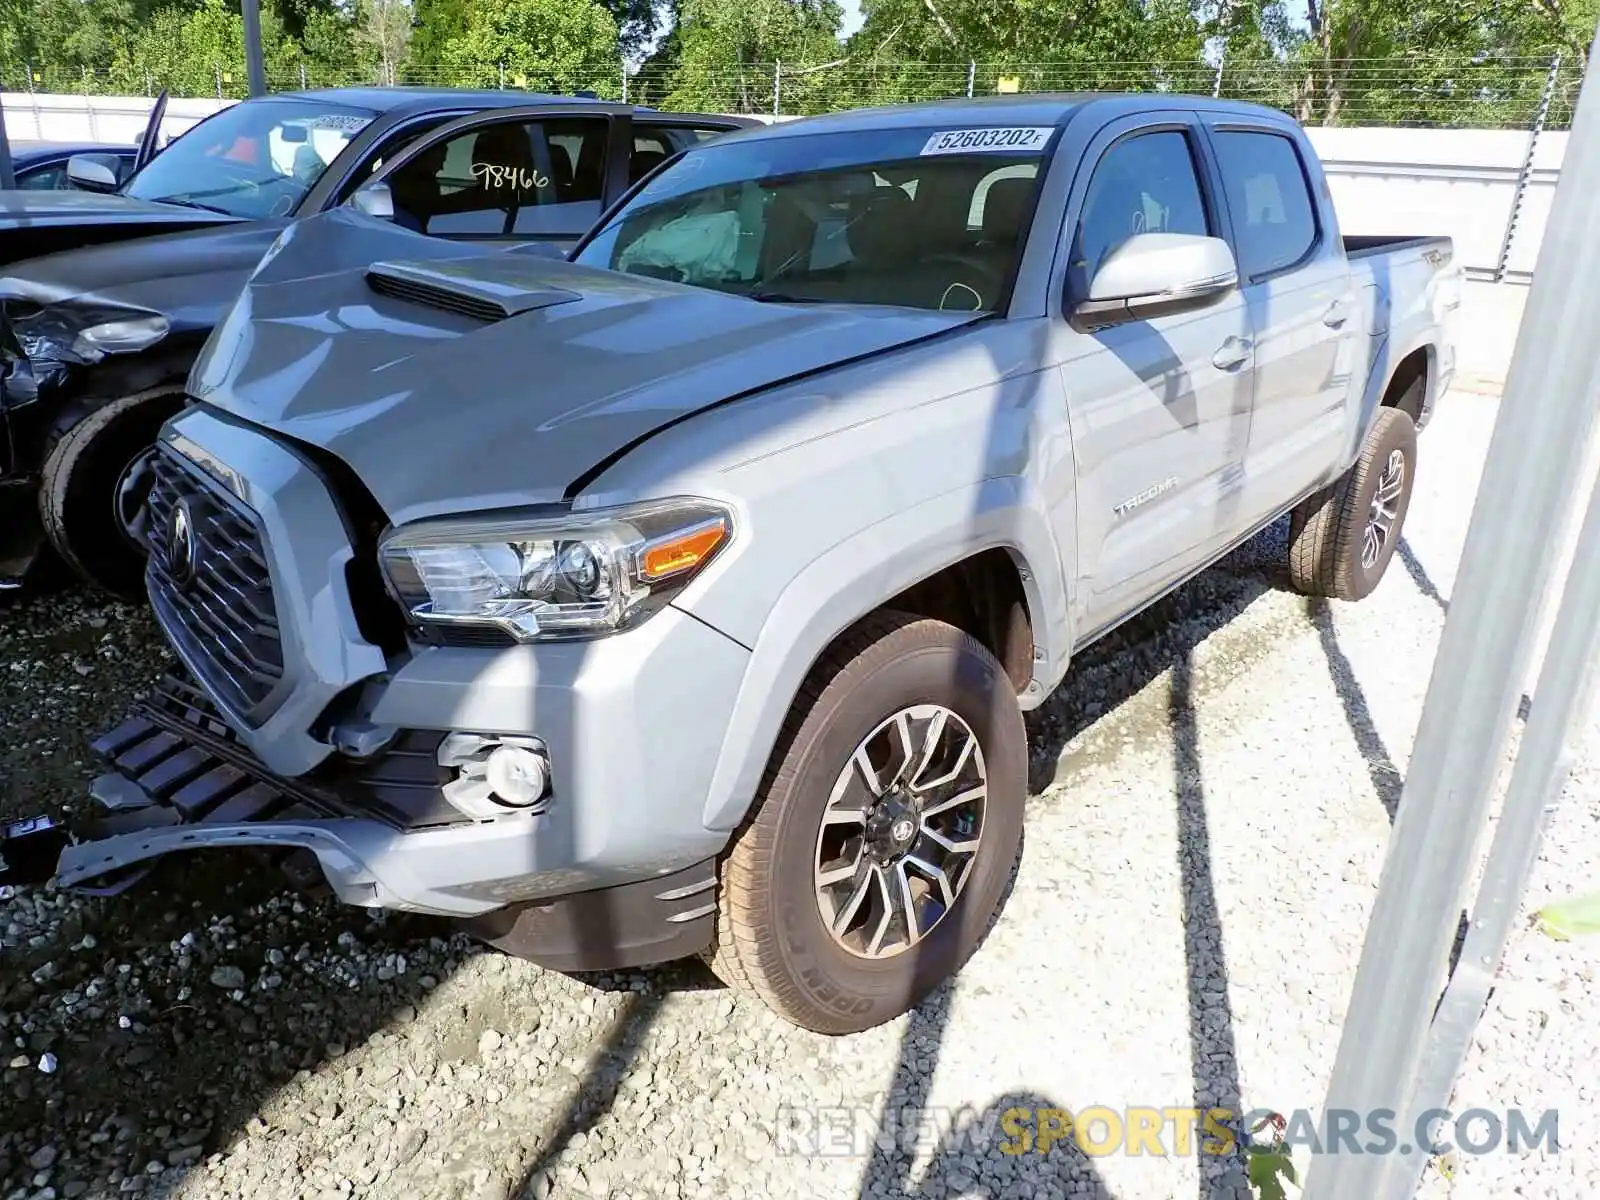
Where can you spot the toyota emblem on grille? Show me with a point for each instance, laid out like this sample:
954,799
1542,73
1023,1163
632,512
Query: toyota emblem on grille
180,544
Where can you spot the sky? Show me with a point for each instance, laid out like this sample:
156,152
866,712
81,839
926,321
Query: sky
852,18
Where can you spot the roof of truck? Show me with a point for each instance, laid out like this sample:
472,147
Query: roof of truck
1043,108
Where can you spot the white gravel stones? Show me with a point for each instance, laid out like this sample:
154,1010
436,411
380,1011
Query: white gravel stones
1183,928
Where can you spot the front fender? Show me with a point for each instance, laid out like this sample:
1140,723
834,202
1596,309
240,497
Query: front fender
853,578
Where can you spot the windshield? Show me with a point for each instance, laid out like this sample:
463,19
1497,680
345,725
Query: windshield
255,159
921,218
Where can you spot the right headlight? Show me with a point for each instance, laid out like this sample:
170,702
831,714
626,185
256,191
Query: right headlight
577,575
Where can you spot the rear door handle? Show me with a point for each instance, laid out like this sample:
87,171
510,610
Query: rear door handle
1233,353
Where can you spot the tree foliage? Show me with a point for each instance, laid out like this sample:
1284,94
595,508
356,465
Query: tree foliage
544,45
1335,61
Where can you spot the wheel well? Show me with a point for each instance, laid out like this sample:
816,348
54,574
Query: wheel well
1413,367
982,596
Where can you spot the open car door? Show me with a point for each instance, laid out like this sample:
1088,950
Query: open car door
152,134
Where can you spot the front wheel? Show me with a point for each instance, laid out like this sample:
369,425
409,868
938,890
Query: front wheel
884,833
92,488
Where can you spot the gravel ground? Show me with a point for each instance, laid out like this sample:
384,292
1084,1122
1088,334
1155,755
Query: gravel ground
1214,794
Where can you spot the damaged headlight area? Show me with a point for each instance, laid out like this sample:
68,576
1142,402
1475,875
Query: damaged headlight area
43,333
553,578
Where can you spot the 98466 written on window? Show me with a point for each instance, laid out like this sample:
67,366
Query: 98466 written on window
511,179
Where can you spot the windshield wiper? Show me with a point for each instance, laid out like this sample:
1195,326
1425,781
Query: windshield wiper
185,202
764,297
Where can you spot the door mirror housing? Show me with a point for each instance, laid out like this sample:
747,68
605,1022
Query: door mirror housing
375,200
94,172
1154,274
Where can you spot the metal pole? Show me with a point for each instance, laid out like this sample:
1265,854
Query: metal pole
1216,83
1562,703
777,77
1534,468
8,177
255,64
624,82
1541,114
972,76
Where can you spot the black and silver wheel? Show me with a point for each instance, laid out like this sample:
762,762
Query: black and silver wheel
885,831
1342,538
901,832
93,485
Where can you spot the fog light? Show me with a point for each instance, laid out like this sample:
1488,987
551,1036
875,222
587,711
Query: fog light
496,775
518,775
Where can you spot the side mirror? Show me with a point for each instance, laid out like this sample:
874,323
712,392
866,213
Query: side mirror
1154,274
94,172
375,200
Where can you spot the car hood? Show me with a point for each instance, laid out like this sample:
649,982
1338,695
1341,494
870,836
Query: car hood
107,272
68,206
499,379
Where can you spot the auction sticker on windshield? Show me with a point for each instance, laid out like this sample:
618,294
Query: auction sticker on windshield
968,141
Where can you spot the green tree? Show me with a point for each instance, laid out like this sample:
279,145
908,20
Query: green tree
198,51
438,23
544,45
727,52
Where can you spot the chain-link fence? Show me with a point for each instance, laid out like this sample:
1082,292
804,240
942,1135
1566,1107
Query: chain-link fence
1411,91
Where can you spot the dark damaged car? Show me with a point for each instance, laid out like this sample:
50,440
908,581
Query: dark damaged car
96,342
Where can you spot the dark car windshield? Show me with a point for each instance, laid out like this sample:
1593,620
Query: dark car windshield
923,218
255,159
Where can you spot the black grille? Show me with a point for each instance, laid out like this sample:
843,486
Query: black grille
221,612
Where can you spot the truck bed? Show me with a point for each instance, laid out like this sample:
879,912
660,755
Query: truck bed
1369,244
1406,285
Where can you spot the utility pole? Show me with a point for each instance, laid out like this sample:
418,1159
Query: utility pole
255,63
8,177
1402,1041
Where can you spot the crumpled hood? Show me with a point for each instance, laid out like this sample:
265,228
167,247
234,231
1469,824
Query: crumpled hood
101,271
439,412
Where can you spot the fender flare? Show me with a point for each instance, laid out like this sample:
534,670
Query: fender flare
832,593
1388,353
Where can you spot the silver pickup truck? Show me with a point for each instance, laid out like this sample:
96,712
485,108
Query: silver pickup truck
687,597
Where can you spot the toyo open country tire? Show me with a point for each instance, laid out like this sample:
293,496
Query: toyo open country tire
895,681
85,464
1342,538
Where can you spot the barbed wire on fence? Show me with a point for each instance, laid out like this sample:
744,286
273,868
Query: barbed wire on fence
1415,90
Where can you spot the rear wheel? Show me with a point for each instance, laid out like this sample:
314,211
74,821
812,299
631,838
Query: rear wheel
1342,538
884,833
94,482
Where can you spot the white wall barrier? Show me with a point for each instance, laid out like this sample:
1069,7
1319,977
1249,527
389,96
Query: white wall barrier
1459,182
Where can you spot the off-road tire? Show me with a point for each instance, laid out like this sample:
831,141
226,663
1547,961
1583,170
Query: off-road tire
1326,529
83,461
771,941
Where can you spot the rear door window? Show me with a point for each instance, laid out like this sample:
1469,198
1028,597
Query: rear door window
1274,218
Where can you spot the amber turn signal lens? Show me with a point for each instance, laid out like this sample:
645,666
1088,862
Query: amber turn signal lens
679,552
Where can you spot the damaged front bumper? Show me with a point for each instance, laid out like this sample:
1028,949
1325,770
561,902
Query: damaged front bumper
180,780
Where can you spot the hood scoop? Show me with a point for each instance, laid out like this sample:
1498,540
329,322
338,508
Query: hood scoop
474,289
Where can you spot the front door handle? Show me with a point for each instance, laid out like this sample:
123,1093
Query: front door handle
1338,313
1232,354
